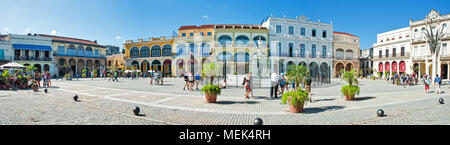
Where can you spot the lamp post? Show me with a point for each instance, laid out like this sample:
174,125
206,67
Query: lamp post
257,57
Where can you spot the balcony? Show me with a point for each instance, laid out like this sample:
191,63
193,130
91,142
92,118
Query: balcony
17,58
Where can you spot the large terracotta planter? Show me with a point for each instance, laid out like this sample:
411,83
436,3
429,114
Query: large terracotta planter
349,97
295,109
211,98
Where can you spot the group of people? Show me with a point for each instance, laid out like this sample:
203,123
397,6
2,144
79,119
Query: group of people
427,82
45,77
402,79
155,76
191,80
280,83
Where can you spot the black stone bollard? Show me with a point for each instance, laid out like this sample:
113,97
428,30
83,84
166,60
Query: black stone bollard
380,112
45,91
258,121
136,111
75,98
441,101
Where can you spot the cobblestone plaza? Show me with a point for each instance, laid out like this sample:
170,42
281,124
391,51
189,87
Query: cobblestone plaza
111,103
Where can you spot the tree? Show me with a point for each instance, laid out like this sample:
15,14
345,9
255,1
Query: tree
350,77
298,74
211,71
434,36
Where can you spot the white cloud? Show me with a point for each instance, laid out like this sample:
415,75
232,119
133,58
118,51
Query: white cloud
53,32
118,37
205,16
5,29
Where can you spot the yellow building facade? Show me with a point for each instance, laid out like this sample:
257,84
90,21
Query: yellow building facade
115,61
153,54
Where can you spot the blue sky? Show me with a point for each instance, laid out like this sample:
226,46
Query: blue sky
111,22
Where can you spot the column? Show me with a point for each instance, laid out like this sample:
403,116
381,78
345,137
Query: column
448,70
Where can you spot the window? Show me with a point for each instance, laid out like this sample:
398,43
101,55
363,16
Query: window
313,33
209,33
183,34
279,48
444,45
145,51
201,33
291,30
302,50
61,50
156,51
191,34
96,52
394,50
278,29
167,50
444,26
380,54
324,33
291,49
423,29
302,31
324,51
416,30
402,51
387,52
313,51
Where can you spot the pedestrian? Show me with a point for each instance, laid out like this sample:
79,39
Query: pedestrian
437,82
308,82
49,77
186,81
115,76
282,83
274,84
151,77
224,84
191,81
247,84
197,80
427,82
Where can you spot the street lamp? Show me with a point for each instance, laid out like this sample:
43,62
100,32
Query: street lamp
257,57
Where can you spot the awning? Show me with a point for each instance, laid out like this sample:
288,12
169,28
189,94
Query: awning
32,47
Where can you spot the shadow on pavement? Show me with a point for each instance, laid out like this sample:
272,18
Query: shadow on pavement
236,102
319,100
321,109
363,98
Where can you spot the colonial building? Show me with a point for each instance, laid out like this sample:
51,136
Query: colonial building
152,54
300,41
115,61
74,55
5,50
421,55
193,48
365,62
111,50
346,52
32,50
392,52
241,49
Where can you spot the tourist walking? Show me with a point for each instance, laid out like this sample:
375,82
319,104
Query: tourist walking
437,82
197,80
49,79
274,81
151,77
427,82
186,81
191,81
282,83
247,84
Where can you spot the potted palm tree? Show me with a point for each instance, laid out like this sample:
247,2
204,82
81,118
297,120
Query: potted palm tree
297,97
83,73
211,92
352,89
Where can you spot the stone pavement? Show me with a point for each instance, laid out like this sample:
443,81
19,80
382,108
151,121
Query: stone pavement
106,102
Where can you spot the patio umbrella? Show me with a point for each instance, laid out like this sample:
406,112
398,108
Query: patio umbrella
12,65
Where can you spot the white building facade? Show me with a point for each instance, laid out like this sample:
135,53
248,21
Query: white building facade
300,41
421,54
392,53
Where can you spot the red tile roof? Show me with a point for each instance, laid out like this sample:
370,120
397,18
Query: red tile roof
220,25
344,33
68,39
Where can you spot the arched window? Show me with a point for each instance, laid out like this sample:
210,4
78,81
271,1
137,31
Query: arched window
156,51
145,51
241,40
134,52
241,57
259,39
224,40
61,50
181,49
89,51
416,30
193,49
206,49
340,54
349,54
80,51
224,56
71,50
167,50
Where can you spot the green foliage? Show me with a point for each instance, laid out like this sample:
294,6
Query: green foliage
30,69
386,74
211,89
297,73
373,77
4,77
67,76
348,90
299,96
350,77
